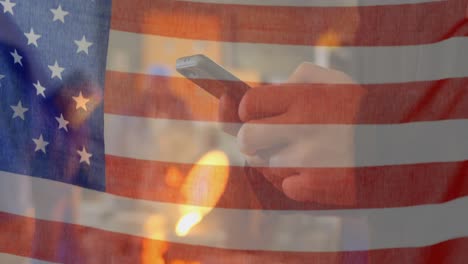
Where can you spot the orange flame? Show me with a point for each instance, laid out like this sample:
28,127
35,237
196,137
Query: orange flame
203,187
186,223
330,38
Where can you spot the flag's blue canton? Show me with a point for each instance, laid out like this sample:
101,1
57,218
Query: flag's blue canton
52,60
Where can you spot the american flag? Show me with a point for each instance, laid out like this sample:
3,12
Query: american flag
108,155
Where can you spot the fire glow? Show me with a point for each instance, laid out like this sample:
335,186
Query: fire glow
203,187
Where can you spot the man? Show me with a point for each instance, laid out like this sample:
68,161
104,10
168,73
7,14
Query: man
288,150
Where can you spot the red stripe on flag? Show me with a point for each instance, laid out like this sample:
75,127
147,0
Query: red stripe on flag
368,187
409,24
178,98
81,244
157,96
162,181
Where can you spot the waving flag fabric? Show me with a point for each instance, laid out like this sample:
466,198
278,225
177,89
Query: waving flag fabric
108,155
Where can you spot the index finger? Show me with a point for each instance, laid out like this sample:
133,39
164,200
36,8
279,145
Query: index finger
262,135
311,73
265,101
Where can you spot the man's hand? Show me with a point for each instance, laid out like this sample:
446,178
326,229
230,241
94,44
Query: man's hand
289,132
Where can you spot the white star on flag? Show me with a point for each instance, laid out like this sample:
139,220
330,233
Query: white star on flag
84,156
7,6
56,70
1,77
59,14
62,122
40,144
81,101
83,45
39,89
32,37
19,110
16,57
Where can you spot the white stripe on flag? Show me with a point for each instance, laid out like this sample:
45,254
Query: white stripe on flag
327,145
388,228
368,65
13,259
324,3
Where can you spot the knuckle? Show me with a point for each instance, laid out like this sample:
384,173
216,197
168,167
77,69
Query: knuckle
246,105
244,139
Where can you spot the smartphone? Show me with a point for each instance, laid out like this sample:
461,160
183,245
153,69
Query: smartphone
214,79
210,76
